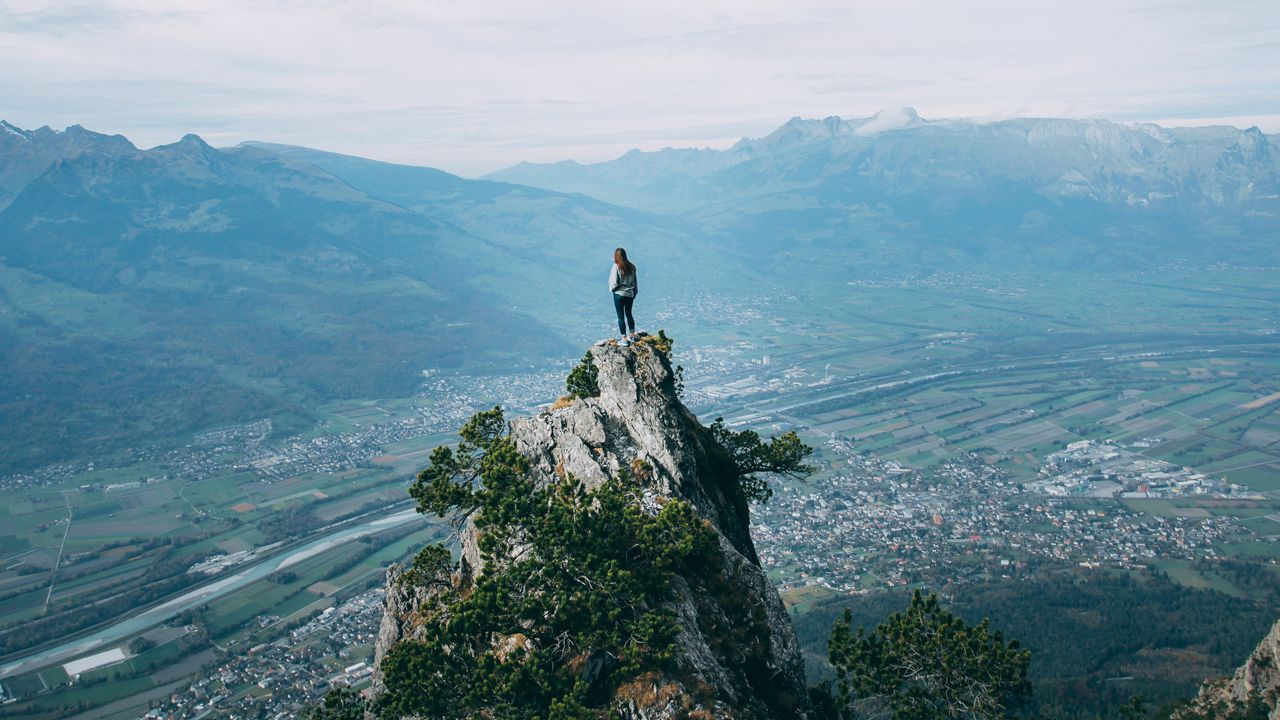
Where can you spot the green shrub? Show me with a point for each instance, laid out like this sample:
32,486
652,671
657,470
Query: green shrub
926,664
661,341
584,380
338,704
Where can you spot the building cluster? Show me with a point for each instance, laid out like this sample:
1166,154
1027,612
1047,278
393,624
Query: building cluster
328,453
245,448
215,564
949,282
251,433
697,308
455,398
280,679
875,523
43,476
1103,469
717,377
249,447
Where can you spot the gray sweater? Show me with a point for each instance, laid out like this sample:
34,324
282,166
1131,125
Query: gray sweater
622,284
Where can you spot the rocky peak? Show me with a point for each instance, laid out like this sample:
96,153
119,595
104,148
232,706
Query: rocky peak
639,419
27,154
190,146
8,129
797,132
737,655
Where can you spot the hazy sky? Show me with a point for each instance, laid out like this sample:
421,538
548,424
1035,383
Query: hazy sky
475,85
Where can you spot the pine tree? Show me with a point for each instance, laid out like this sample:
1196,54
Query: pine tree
924,664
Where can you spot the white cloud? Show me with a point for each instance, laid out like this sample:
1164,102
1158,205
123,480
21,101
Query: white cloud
890,119
474,86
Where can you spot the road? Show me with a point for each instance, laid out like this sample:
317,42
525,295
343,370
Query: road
53,576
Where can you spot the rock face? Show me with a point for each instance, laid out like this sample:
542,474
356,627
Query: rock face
398,607
738,656
1260,674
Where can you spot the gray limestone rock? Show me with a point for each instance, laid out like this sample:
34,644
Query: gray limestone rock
737,656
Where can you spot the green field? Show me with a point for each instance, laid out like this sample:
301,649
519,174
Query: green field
228,622
113,535
1020,415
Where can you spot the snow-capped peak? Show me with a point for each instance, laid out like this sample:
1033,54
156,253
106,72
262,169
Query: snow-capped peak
890,119
14,130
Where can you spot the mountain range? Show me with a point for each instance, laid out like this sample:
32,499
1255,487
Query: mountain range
895,190
145,294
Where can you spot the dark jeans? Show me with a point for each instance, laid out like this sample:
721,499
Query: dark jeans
622,305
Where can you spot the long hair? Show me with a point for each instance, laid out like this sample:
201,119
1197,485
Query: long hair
624,265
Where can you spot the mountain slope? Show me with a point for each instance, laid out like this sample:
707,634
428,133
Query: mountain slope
570,238
144,294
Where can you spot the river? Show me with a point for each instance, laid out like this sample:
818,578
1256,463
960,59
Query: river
115,632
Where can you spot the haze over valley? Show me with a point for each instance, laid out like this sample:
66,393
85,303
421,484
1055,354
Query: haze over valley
1037,358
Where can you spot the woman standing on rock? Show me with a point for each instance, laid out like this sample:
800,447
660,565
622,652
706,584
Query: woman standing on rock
622,283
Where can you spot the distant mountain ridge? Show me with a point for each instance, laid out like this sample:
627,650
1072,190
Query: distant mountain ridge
97,210
535,225
896,189
1071,157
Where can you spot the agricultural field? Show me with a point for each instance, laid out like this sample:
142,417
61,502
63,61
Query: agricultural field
102,540
256,613
1216,424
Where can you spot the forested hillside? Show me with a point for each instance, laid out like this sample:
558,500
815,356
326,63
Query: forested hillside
1096,638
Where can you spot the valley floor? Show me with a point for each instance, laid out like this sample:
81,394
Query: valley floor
974,434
